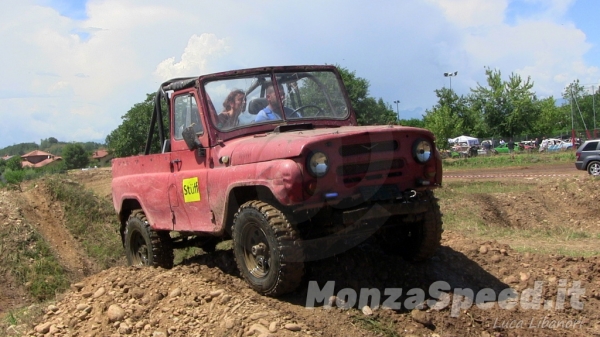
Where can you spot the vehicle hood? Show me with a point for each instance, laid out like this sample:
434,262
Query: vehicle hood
291,144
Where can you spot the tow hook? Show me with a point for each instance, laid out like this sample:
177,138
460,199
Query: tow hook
409,194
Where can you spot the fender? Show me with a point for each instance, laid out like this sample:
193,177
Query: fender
282,177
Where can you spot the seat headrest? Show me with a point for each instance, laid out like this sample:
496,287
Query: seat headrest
257,104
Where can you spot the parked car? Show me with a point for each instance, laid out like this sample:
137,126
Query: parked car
588,157
554,144
464,149
503,148
569,140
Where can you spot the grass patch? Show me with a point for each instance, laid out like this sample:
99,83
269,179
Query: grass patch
557,233
504,160
560,251
377,326
457,189
30,261
186,253
90,219
19,321
189,252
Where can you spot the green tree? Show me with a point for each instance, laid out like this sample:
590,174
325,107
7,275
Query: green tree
414,122
551,119
14,163
46,143
130,137
75,156
581,106
368,110
19,149
508,108
443,123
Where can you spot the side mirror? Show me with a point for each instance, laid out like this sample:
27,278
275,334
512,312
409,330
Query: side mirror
191,140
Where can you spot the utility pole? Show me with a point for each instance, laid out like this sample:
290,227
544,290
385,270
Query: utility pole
397,112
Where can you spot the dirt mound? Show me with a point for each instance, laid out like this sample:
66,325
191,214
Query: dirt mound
98,180
192,299
544,203
206,296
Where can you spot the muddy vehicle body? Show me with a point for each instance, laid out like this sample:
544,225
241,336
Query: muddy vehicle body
307,184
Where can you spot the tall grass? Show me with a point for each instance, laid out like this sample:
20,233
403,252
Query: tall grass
31,262
90,219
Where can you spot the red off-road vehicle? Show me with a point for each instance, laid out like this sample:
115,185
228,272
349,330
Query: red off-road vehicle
273,159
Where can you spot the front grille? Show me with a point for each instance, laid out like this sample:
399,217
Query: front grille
374,167
368,148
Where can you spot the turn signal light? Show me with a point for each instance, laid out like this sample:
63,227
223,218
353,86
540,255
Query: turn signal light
311,187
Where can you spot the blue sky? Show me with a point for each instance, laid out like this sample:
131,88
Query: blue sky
71,69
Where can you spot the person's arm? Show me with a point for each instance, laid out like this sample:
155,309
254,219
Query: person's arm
261,116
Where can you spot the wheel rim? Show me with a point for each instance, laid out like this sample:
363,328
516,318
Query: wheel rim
595,169
139,249
256,250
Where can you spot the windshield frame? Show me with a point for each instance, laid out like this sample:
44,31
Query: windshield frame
279,76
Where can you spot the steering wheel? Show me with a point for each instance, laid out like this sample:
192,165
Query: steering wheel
320,111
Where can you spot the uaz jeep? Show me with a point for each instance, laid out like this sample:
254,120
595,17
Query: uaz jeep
273,159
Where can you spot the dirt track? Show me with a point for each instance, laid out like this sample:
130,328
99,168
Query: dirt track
204,295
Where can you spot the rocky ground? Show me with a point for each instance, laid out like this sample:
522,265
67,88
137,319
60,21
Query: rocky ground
204,295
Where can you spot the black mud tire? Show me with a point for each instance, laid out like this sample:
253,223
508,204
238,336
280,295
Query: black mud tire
277,265
144,246
416,241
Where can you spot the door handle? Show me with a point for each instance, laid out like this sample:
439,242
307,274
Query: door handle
175,162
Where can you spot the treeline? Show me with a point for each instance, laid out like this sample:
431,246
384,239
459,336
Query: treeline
509,108
50,145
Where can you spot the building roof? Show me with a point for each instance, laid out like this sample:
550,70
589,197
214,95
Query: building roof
99,154
36,153
42,163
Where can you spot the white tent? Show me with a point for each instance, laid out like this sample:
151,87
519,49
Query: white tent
464,139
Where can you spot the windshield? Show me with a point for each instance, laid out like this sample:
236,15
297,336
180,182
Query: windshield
298,96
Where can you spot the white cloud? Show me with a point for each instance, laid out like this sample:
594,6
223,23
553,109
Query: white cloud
199,50
473,13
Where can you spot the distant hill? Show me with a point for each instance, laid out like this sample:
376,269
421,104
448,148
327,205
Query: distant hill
50,145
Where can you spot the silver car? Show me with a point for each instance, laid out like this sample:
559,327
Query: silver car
588,157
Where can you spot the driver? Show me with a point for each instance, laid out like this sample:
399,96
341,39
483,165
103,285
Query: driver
273,110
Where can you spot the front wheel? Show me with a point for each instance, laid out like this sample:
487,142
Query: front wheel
594,168
145,247
267,249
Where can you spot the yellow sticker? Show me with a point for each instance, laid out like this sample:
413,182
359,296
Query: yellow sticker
191,192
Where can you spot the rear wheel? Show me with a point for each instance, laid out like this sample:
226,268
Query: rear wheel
416,241
594,168
267,249
145,247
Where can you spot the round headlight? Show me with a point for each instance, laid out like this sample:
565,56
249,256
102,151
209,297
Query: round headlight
422,150
317,164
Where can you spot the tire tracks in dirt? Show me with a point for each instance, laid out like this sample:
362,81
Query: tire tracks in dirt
47,217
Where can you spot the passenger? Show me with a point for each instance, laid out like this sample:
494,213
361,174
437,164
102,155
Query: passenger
273,111
233,104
